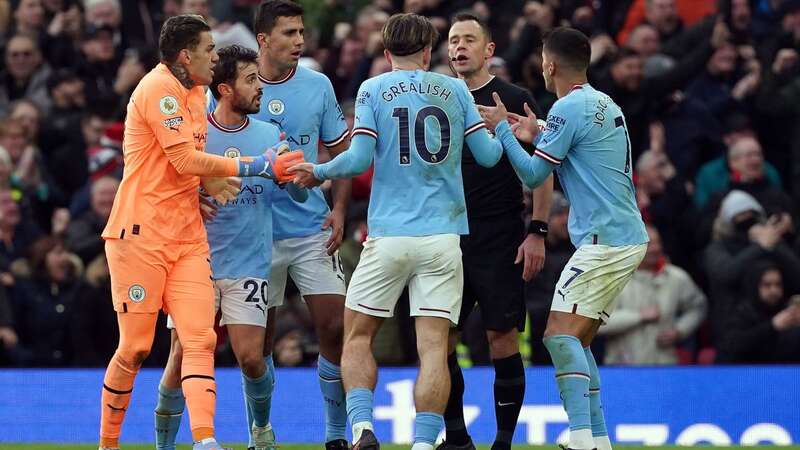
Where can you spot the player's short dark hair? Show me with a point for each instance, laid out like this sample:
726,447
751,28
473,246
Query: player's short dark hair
269,11
569,46
178,33
409,33
227,68
467,16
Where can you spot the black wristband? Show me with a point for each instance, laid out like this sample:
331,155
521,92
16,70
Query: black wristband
538,227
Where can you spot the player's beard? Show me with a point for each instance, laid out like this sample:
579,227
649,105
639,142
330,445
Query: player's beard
245,106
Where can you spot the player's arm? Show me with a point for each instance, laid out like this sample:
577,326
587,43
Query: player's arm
534,169
342,187
486,150
354,161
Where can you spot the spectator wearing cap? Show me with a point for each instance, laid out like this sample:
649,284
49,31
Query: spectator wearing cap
743,235
83,234
539,291
98,64
765,326
660,308
25,74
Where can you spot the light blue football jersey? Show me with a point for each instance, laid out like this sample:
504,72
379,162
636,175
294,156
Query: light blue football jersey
420,120
304,106
586,139
240,236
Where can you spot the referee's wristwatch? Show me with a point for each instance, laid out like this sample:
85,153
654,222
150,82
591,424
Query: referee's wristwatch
538,227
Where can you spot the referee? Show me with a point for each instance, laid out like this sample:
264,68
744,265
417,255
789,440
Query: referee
499,253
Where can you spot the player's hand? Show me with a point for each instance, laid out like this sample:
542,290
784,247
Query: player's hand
281,161
526,127
668,338
650,313
334,221
493,115
222,189
304,175
208,209
531,252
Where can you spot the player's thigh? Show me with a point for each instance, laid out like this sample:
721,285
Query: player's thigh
495,281
138,275
189,292
243,301
278,272
437,280
593,278
382,272
313,271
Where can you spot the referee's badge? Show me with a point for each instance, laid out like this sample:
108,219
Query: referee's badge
136,293
232,152
275,107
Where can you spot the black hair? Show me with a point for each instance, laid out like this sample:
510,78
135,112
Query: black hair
269,11
227,69
569,46
467,16
178,33
406,34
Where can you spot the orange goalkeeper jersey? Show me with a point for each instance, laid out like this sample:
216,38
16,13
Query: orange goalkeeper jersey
155,202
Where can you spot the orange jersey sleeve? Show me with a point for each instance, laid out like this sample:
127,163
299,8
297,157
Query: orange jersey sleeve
157,200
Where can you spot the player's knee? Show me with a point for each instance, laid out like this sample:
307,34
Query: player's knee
252,364
503,344
134,354
331,331
201,340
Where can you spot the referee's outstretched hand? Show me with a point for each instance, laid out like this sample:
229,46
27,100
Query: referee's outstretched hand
526,127
492,115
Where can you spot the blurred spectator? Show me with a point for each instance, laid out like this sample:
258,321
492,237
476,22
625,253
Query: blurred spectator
29,17
8,335
720,87
765,326
539,291
98,63
44,300
659,308
83,234
25,74
95,329
742,163
224,33
17,233
742,237
663,16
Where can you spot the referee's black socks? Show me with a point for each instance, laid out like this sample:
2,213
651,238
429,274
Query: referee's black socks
509,392
454,412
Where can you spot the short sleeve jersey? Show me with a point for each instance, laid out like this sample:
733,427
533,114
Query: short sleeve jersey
587,138
249,216
420,120
304,106
154,202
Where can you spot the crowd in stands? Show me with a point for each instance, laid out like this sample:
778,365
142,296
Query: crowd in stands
711,94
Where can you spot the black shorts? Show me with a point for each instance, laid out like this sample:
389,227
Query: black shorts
491,279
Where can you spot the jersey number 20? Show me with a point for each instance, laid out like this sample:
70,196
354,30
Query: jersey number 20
401,114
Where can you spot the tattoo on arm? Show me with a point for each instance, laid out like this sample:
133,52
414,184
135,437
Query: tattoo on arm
182,75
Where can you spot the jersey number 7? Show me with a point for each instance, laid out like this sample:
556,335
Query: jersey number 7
420,144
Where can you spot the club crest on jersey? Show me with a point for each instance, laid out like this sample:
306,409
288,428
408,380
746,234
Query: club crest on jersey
136,293
275,107
232,152
168,105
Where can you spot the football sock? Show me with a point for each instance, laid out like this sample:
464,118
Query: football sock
168,416
257,394
509,393
270,375
199,387
454,412
359,410
427,426
572,377
595,405
330,383
117,388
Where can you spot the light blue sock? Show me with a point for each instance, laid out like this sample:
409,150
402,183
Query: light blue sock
572,377
427,426
330,383
270,382
359,405
257,393
595,405
169,410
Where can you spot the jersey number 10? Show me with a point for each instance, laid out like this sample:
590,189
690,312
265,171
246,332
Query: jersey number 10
401,114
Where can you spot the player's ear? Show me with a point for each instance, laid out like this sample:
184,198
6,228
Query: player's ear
224,89
184,57
388,56
490,47
262,39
